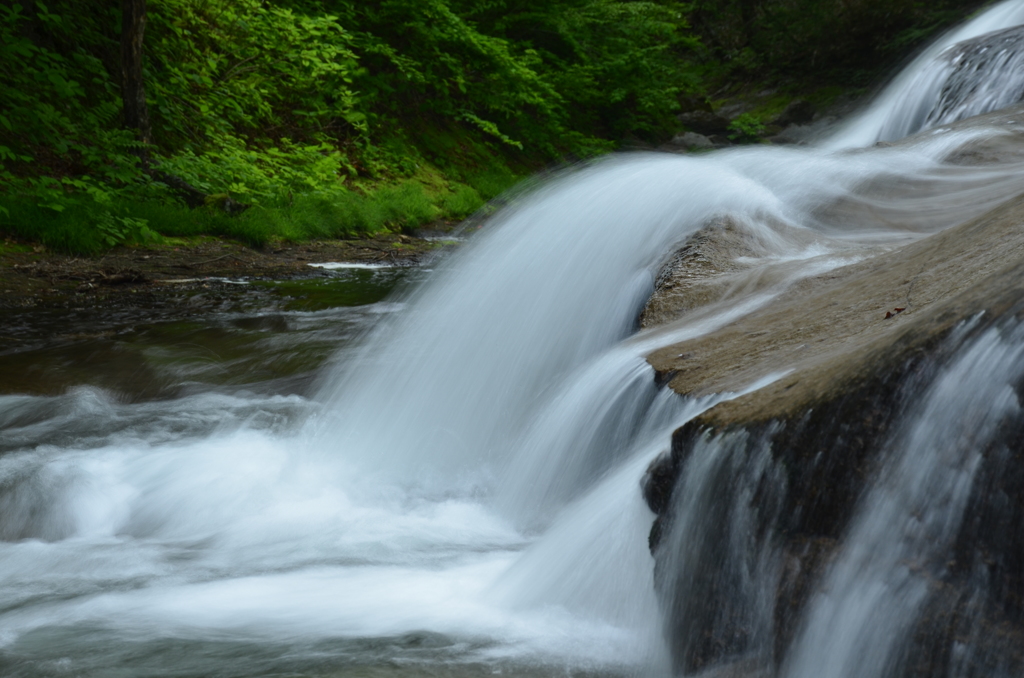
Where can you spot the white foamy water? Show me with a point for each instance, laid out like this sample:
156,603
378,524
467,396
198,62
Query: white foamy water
342,265
471,474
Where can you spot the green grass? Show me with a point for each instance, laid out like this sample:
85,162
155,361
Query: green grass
462,201
491,181
74,230
83,226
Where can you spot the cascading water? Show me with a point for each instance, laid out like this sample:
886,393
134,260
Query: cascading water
965,72
398,507
722,558
900,541
461,498
718,579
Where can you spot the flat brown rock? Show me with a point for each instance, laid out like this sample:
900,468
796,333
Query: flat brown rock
829,331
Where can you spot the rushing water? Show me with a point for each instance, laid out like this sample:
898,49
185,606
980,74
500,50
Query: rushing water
950,80
874,590
455,492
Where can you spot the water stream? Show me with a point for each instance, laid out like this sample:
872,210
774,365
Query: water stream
454,491
861,616
958,75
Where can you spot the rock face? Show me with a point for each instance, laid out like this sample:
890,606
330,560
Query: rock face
693,141
798,112
984,75
704,122
692,278
756,495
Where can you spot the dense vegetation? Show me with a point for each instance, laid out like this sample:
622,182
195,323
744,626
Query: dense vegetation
331,118
828,42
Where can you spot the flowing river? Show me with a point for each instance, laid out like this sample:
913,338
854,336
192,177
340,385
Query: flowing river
446,482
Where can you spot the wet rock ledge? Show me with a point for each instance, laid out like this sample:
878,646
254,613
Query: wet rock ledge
795,457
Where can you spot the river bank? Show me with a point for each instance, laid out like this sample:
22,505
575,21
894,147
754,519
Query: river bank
181,278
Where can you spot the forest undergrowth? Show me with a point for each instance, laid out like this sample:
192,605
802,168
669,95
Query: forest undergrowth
305,119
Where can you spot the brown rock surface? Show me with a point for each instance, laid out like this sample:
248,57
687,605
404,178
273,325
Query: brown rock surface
855,343
830,331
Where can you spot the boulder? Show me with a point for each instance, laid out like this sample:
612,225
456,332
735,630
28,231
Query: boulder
704,122
798,112
693,141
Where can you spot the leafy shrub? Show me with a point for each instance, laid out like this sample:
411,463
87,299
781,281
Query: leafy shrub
746,127
491,181
461,202
405,206
81,226
319,113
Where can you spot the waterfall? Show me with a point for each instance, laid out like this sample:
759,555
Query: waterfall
717,571
463,489
958,75
899,543
470,474
449,386
721,561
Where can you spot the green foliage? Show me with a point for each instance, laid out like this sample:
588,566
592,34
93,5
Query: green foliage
76,224
619,67
251,175
404,206
843,41
491,181
345,117
746,127
58,105
249,81
423,58
248,67
461,202
118,230
81,226
288,106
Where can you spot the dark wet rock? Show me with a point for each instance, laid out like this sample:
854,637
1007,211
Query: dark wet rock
657,486
957,630
985,75
716,562
793,134
737,108
693,141
800,502
120,276
803,561
803,500
688,103
659,481
798,112
704,122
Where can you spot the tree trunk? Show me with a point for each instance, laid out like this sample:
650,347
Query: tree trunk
133,88
136,114
748,16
